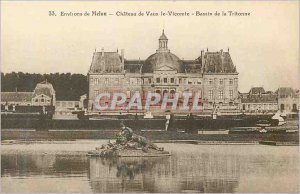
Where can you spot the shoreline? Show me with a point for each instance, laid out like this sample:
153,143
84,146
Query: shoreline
27,136
195,142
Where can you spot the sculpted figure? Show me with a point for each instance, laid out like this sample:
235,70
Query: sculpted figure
140,140
127,142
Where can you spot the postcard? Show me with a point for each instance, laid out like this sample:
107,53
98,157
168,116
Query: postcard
153,96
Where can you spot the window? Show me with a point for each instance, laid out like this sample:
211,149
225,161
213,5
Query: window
96,81
230,94
180,80
200,93
230,81
172,92
116,80
221,81
133,81
36,100
210,81
220,94
172,80
157,80
190,82
211,94
149,80
165,80
128,94
106,81
42,100
235,81
96,92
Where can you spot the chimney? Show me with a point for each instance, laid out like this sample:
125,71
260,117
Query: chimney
122,55
228,49
202,60
102,52
221,51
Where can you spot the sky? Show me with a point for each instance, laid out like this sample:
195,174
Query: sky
264,46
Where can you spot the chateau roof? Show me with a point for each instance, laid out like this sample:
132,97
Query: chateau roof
105,62
160,59
191,66
163,36
263,98
133,68
16,96
257,90
285,92
208,62
218,62
45,88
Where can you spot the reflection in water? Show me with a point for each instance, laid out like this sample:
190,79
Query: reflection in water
190,168
168,174
42,164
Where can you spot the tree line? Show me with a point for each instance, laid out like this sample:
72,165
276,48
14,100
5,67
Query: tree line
66,85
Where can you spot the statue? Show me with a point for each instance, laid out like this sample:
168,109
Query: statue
129,144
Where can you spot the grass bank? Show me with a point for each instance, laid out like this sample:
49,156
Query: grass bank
160,136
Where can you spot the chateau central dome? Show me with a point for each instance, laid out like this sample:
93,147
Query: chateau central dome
162,57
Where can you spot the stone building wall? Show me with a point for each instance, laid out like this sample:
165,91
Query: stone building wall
212,76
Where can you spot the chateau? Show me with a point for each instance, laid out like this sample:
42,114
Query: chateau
211,76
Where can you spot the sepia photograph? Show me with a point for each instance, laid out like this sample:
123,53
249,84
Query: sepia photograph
154,96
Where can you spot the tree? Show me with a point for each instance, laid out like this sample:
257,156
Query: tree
67,86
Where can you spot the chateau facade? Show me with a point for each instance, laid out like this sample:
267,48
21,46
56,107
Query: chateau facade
212,77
